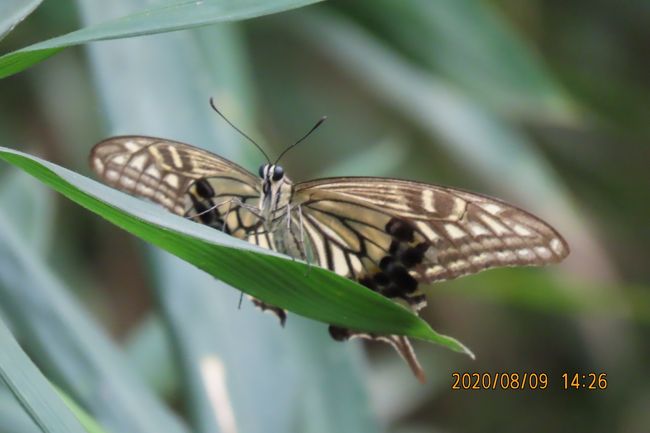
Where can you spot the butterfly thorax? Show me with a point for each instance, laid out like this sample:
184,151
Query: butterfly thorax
275,196
276,212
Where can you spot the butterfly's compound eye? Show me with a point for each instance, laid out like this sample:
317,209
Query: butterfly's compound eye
261,171
278,172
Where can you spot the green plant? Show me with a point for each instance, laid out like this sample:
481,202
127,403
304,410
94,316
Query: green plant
502,97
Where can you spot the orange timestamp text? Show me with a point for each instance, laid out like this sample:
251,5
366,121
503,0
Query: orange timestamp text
499,380
526,381
587,381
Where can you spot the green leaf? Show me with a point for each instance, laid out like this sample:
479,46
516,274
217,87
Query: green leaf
548,293
158,19
28,206
12,12
150,354
89,423
32,390
13,416
62,338
468,43
309,291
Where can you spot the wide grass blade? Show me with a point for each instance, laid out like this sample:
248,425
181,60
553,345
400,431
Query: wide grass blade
149,351
28,207
78,356
88,422
157,19
312,292
547,293
35,394
12,12
13,416
470,44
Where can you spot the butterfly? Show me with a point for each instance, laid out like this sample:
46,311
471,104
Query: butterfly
390,235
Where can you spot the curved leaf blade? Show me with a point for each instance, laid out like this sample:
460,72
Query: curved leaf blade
61,336
88,422
312,292
35,394
12,12
158,19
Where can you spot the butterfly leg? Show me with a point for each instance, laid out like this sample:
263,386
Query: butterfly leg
289,223
237,203
400,343
252,209
293,243
301,241
276,311
297,240
205,212
225,223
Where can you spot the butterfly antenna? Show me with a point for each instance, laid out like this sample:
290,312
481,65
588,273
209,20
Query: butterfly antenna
319,123
214,107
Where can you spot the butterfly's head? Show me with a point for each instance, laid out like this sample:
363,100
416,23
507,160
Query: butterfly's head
270,173
275,188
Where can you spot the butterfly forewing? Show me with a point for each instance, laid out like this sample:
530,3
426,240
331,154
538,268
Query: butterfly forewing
186,180
455,232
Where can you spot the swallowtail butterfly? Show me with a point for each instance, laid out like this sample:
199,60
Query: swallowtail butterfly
390,235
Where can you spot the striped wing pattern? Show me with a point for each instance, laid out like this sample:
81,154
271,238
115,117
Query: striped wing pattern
459,232
186,180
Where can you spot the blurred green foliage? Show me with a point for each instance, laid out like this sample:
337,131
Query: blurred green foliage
541,103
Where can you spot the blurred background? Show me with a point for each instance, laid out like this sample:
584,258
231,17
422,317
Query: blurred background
544,104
